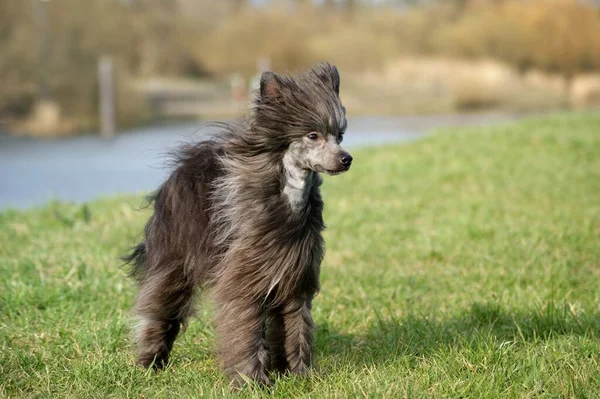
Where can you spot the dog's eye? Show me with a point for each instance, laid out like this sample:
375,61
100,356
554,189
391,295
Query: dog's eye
313,136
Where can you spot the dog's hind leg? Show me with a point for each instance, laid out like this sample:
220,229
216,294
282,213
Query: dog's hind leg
243,347
163,304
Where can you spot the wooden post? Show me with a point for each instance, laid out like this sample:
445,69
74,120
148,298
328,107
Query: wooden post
107,98
43,49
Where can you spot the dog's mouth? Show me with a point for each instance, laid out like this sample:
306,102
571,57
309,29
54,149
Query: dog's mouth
332,172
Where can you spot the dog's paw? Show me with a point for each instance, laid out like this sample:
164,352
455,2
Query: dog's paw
152,360
258,377
299,370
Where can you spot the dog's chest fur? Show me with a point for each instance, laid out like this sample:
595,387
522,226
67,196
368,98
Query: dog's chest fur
268,235
298,183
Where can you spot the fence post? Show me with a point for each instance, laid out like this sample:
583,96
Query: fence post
107,97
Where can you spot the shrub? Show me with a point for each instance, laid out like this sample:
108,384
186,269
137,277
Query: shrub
553,35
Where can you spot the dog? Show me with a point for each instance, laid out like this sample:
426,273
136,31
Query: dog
241,214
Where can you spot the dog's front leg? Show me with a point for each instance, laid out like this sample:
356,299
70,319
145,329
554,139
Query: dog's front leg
240,324
299,330
276,340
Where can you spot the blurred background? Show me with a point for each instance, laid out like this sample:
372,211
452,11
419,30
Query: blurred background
72,67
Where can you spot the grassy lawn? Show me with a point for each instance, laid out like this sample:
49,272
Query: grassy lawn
462,265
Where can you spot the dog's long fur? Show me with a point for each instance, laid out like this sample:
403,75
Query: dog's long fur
242,214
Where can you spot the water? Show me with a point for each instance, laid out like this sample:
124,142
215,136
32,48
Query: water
79,169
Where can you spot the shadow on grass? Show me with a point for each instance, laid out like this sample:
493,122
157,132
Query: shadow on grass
417,336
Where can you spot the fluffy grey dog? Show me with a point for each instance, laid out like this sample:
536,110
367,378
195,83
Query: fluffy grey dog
242,214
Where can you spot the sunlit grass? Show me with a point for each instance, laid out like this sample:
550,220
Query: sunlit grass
464,265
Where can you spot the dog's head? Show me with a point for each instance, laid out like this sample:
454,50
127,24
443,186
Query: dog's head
303,116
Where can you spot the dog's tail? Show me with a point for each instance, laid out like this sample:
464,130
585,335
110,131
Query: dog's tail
137,260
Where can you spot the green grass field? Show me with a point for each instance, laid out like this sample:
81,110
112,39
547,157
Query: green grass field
463,265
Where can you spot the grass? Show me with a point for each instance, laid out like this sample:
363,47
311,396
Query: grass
462,265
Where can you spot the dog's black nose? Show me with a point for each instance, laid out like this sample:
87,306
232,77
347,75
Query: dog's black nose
346,159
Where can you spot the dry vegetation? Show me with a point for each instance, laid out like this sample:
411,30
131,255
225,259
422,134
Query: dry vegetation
396,60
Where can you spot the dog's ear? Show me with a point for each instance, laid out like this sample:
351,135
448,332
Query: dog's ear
330,76
270,85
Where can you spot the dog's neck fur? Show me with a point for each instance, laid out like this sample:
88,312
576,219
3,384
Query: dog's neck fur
298,183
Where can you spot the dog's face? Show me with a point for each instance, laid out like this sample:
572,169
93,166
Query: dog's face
321,152
305,116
